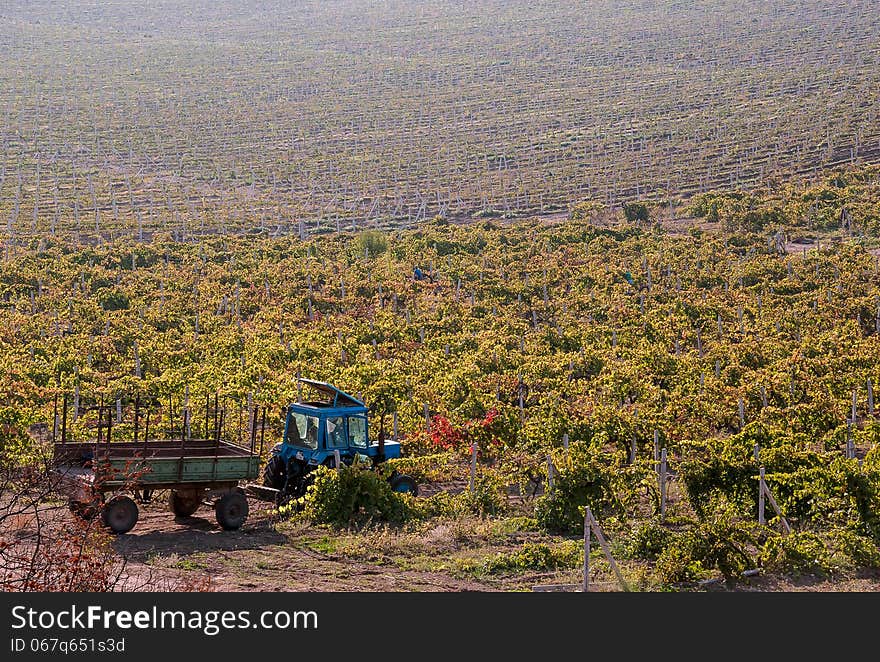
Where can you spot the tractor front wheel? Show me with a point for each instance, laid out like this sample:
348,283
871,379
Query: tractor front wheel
184,504
231,510
120,514
405,484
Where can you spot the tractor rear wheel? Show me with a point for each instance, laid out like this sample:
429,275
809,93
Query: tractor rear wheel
184,504
405,484
120,514
273,474
231,510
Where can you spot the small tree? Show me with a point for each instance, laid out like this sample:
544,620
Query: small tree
636,212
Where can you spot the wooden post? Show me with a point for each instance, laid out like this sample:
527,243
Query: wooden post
262,430
662,483
522,411
549,472
565,441
54,418
587,526
761,520
774,505
337,459
597,531
473,465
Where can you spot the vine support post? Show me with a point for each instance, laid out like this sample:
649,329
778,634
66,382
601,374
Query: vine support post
761,520
587,518
473,466
662,483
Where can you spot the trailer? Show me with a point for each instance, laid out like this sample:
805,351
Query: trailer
101,477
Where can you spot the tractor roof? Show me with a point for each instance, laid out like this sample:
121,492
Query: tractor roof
335,397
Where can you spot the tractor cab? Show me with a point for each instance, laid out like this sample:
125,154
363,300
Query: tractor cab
315,430
330,421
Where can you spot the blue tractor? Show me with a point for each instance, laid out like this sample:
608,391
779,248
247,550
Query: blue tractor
316,432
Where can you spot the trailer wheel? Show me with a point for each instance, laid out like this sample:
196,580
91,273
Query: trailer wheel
405,484
84,510
120,514
184,504
231,510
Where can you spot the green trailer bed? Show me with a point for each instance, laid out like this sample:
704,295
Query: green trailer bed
98,478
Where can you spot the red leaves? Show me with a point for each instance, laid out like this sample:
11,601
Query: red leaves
444,435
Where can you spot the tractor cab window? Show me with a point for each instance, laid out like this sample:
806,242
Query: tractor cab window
302,430
357,431
336,432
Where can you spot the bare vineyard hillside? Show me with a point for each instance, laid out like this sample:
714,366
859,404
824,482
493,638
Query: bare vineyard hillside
299,117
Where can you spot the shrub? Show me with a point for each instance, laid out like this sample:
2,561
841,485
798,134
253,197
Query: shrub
15,444
488,497
719,544
372,241
799,552
647,541
353,495
585,477
636,212
538,556
113,299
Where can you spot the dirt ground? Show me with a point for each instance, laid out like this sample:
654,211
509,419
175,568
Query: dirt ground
259,557
268,555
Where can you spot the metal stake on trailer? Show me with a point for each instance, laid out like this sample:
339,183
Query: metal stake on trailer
262,431
137,406
54,418
254,428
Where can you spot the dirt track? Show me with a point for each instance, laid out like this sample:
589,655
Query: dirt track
258,558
